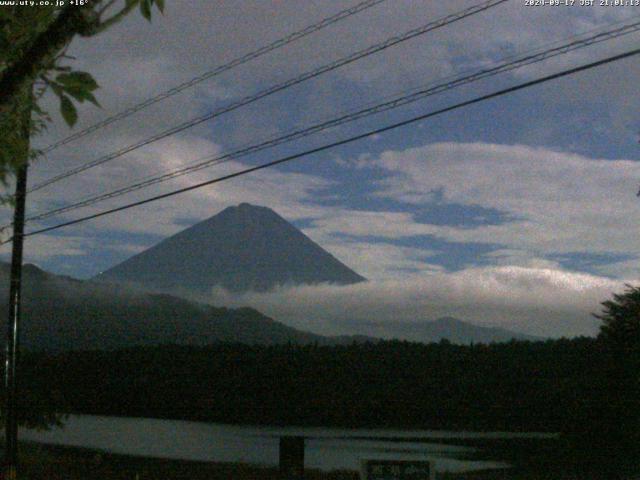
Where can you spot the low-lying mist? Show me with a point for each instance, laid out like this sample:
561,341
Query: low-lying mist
536,301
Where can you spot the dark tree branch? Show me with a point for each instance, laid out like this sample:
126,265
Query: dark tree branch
103,25
106,7
71,21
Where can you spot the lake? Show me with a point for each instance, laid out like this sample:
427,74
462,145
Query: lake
326,448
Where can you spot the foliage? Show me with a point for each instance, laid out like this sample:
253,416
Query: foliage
49,462
621,321
512,386
33,43
555,386
615,419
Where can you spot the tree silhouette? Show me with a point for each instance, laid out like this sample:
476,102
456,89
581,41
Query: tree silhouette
615,403
33,41
620,317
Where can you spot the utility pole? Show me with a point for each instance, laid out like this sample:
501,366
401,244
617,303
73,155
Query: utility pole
15,290
13,323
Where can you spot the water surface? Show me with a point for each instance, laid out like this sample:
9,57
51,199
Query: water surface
325,448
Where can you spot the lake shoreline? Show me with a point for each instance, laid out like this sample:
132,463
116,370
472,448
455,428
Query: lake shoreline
325,449
53,462
45,462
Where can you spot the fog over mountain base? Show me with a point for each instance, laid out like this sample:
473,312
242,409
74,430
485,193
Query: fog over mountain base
250,256
535,301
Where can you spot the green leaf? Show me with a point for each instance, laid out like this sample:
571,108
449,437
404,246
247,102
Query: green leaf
37,109
78,95
92,99
68,110
78,85
145,9
83,80
160,5
57,88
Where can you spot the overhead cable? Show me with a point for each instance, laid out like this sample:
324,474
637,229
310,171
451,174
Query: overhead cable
390,42
378,108
349,140
217,71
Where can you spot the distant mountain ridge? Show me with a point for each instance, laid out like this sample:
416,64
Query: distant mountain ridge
242,248
61,313
455,331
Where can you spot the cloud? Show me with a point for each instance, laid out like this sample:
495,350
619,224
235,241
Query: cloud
538,301
49,246
520,258
563,202
137,59
380,260
622,269
554,202
263,188
361,223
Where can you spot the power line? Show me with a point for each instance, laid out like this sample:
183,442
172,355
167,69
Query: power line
378,108
217,71
352,139
449,19
564,42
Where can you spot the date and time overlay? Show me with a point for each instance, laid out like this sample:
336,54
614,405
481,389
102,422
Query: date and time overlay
581,3
526,3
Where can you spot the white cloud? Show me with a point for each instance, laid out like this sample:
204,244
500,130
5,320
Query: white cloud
387,225
136,59
381,261
520,258
538,301
563,202
628,268
48,246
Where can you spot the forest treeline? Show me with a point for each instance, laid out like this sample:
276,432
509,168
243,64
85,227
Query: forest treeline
518,386
582,388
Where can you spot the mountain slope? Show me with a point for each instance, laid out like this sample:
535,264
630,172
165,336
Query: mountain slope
458,331
62,313
242,248
445,328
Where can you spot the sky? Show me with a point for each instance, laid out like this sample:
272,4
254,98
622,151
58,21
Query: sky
519,212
